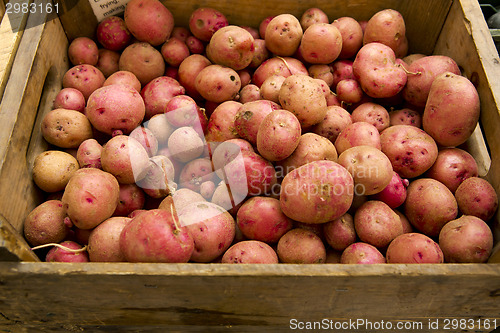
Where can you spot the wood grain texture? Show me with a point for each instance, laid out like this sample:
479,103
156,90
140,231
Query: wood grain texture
262,297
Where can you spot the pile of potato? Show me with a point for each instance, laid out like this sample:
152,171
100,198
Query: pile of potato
298,141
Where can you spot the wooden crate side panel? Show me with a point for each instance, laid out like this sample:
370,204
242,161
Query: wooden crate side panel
465,37
13,247
40,60
424,18
257,296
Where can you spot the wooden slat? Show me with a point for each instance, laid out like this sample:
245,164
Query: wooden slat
259,297
13,247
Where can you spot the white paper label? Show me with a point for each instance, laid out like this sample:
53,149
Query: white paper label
106,8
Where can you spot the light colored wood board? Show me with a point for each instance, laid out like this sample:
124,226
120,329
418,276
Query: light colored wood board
423,28
242,295
11,31
41,52
465,37
13,247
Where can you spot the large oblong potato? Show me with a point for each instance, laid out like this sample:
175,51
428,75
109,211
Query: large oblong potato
52,170
66,128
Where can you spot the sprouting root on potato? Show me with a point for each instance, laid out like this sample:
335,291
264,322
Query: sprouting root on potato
308,140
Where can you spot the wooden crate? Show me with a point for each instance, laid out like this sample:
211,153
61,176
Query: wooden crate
126,297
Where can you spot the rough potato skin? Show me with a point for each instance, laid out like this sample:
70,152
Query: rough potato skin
231,46
249,117
218,83
301,246
45,223
302,96
221,125
336,119
278,135
66,128
52,170
85,78
317,192
113,34
414,248
283,35
205,21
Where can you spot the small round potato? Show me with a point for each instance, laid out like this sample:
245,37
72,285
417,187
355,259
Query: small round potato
52,170
301,246
45,223
321,43
66,128
218,83
283,35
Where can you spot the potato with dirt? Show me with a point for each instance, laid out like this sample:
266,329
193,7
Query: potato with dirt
143,60
477,197
90,197
336,119
467,239
250,252
89,154
250,116
371,113
52,169
429,205
370,168
405,116
205,21
211,227
66,128
414,248
112,33
156,236
149,21
104,240
278,135
231,46
46,224
317,192
302,96
301,246
221,125
283,35
115,109
218,83
411,150
85,78
452,110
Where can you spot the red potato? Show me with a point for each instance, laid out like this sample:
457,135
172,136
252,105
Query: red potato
143,60
317,192
321,43
90,197
411,150
45,224
130,198
58,254
108,62
341,70
477,197
66,128
371,113
182,110
467,239
362,253
414,248
352,36
283,35
452,110
253,31
156,236
227,151
174,51
221,126
104,240
263,26
83,50
113,34
375,69
52,169
249,117
250,252
377,224
311,16
270,88
115,109
336,119
205,21
322,72
357,134
410,58
311,147
309,111
405,116
89,154
370,168
69,98
284,66
195,45
185,144
212,228
423,71
85,78
261,218
196,172
217,83
278,135
349,91
387,27
245,76
181,33
429,206
149,21
300,246
231,46
394,194
407,228
146,138
158,92
125,158
189,69
123,77
452,167
340,233
249,93
260,53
